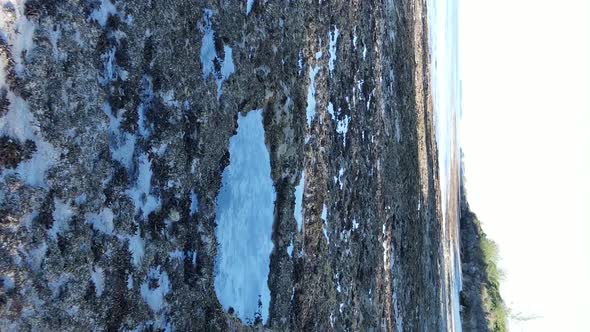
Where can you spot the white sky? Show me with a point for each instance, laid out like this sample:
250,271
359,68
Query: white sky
525,67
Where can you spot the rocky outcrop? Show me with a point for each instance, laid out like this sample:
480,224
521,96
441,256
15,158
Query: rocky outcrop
482,307
115,132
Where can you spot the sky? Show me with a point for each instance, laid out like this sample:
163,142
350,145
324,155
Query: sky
525,132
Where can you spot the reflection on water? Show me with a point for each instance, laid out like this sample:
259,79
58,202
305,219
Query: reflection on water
446,90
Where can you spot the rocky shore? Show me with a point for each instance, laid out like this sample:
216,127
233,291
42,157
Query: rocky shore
116,125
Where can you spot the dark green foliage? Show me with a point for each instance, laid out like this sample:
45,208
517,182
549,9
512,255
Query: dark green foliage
485,258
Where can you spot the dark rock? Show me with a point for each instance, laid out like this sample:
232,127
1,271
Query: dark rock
142,59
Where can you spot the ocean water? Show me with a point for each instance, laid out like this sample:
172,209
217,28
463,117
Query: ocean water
446,93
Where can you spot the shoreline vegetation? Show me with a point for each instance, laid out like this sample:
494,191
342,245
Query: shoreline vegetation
482,306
